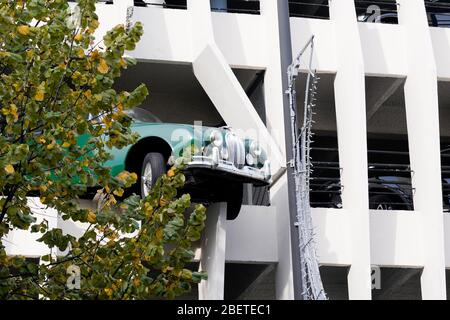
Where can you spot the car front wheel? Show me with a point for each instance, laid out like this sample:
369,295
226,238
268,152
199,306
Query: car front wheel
153,167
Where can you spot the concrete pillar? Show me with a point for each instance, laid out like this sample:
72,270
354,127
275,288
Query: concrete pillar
422,114
213,253
274,100
349,90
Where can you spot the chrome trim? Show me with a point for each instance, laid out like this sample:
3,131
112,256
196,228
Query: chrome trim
227,166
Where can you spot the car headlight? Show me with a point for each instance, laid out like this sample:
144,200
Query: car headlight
255,149
250,159
216,138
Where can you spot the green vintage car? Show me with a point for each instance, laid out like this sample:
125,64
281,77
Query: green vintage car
220,165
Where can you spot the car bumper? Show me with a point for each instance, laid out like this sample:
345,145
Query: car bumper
246,173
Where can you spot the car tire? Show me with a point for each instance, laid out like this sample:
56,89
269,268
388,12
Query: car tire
234,202
153,166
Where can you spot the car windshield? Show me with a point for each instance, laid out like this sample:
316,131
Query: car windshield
142,115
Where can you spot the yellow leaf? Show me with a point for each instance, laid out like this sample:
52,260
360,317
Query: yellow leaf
123,176
136,282
103,66
9,169
159,234
118,192
13,112
66,144
148,209
39,95
41,140
95,54
123,63
30,54
80,53
50,146
163,202
170,173
43,188
78,37
91,217
23,30
108,292
108,122
88,94
94,24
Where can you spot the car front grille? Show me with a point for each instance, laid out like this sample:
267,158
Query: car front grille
236,149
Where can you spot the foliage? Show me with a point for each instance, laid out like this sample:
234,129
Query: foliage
54,77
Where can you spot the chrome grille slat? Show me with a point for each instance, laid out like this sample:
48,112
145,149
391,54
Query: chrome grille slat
236,149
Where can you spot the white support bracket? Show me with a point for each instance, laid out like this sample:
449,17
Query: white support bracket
213,253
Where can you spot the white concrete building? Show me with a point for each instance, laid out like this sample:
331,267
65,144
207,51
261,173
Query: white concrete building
221,62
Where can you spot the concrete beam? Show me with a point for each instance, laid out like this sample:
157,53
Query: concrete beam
379,99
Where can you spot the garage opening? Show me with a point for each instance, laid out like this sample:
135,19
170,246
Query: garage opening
236,6
389,168
169,4
380,11
314,9
335,282
444,125
398,284
325,183
438,13
247,281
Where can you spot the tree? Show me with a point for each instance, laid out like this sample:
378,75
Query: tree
56,85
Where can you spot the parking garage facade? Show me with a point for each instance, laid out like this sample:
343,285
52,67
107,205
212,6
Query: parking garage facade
380,189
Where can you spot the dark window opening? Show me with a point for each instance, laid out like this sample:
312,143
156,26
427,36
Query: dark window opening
315,9
326,187
168,4
397,284
335,282
389,166
444,114
236,6
445,160
438,13
244,281
380,11
390,186
325,182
